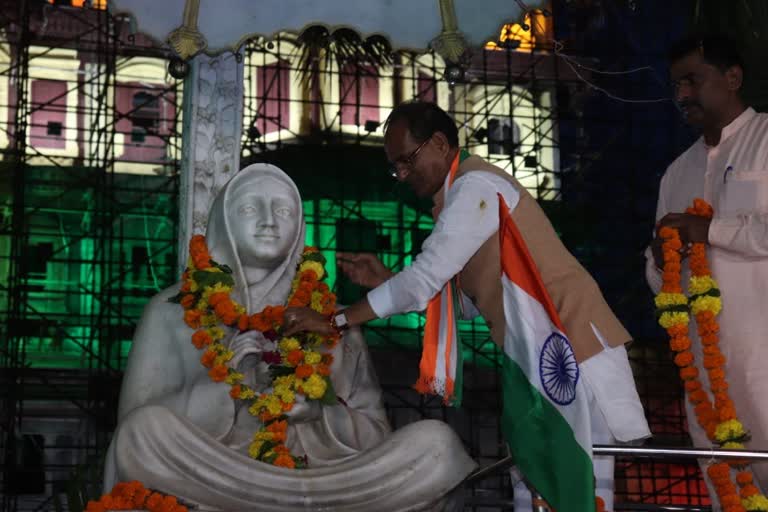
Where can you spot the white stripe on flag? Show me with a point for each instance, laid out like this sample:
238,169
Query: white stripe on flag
528,327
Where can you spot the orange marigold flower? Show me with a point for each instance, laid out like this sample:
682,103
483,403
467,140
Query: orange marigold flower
294,357
667,232
711,350
187,301
95,506
717,361
217,298
285,461
744,477
235,391
209,356
286,406
730,500
680,343
304,370
719,471
710,339
218,373
716,374
727,413
734,508
703,408
691,372
259,323
242,322
749,490
192,318
327,359
674,244
201,339
677,330
154,501
323,370
308,275
278,426
692,385
684,359
186,286
697,396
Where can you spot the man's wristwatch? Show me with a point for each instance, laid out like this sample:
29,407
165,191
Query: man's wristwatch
339,322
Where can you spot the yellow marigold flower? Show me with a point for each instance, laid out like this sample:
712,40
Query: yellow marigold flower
233,378
247,394
274,406
288,344
286,381
706,303
216,333
255,448
209,320
317,301
311,357
733,445
193,287
202,305
669,319
255,408
264,435
756,502
699,285
239,309
224,356
731,429
315,386
315,266
670,299
287,396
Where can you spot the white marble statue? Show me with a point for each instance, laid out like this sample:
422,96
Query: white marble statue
180,433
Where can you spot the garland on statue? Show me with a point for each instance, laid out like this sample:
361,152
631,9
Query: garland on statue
134,496
297,367
718,419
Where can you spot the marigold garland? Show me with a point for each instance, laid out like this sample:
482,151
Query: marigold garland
133,496
297,366
717,418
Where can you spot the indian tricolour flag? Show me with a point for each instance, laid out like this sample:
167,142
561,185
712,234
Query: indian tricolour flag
545,417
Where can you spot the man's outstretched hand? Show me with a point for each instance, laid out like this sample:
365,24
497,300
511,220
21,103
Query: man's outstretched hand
363,269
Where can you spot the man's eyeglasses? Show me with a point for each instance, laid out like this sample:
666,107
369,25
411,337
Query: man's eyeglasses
407,162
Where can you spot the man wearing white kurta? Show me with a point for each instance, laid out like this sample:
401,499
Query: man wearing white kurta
728,168
422,142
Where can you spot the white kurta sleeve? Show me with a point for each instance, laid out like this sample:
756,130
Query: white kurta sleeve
469,218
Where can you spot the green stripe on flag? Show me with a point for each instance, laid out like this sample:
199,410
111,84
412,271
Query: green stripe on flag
543,445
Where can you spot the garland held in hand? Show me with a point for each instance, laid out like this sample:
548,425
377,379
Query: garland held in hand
297,367
717,418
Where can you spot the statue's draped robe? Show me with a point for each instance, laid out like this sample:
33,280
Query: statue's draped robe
180,433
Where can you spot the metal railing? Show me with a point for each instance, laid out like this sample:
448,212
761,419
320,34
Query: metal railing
643,452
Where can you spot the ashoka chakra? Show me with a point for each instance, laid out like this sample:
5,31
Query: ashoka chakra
558,369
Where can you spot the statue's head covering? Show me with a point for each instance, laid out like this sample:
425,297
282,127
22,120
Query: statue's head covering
275,287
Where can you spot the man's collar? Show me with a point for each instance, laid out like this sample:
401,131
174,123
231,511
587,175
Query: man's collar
734,125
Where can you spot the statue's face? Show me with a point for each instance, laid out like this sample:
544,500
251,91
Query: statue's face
264,221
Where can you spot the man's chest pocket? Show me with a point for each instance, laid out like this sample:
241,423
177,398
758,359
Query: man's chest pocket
743,192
